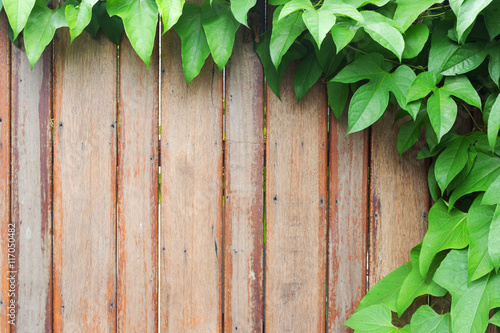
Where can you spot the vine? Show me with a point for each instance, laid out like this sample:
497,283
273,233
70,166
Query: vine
428,57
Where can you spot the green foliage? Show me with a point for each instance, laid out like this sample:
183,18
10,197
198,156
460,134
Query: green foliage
429,57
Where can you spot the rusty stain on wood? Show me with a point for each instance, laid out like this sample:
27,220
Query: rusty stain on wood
138,192
32,189
347,223
191,205
296,194
244,213
84,184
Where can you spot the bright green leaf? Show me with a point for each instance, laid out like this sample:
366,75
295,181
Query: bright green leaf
360,3
319,22
451,161
422,86
409,10
140,19
337,97
18,12
79,17
426,320
383,32
495,320
171,11
494,64
471,302
415,39
195,49
220,27
460,86
467,15
492,194
307,73
294,6
465,59
442,112
343,33
488,105
447,230
494,123
493,239
240,9
283,34
375,318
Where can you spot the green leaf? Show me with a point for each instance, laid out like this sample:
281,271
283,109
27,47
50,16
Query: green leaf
467,15
283,34
495,320
415,39
140,18
482,174
409,133
441,48
1,5
491,19
409,10
18,12
460,86
171,11
319,22
40,29
492,194
415,285
488,105
447,230
220,27
375,318
465,59
471,302
79,17
442,112
240,9
494,123
111,26
386,291
432,184
337,97
451,161
478,224
294,6
307,73
195,49
494,64
422,86
343,33
383,32
426,320
360,3
455,5
494,236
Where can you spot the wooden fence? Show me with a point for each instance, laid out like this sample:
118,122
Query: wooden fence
270,217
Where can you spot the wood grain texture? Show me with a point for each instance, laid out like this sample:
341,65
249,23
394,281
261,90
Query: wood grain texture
191,205
85,184
296,216
244,177
4,169
137,192
399,200
32,188
347,223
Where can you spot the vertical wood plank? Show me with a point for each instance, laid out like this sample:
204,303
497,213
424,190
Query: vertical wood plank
191,205
4,170
347,223
85,184
137,192
244,211
296,213
399,200
32,188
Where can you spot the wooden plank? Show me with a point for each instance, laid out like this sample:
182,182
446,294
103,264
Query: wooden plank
244,176
138,192
296,194
85,184
191,205
399,200
347,223
32,188
4,170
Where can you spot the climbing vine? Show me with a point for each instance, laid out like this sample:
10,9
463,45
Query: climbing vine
429,57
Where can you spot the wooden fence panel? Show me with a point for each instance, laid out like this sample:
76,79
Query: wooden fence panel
4,170
296,216
191,202
137,192
399,200
244,177
32,189
347,223
85,184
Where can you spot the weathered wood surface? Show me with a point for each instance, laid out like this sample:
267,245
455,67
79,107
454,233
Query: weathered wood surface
296,194
347,222
32,189
4,169
191,205
399,200
244,177
137,192
85,184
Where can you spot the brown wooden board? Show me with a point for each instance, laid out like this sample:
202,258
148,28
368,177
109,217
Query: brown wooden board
399,200
32,189
191,195
85,85
244,177
296,210
4,171
347,222
137,192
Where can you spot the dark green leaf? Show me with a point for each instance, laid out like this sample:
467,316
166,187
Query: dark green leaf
431,181
409,133
494,123
441,48
494,64
451,161
337,97
467,15
493,239
306,75
111,26
465,59
491,19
